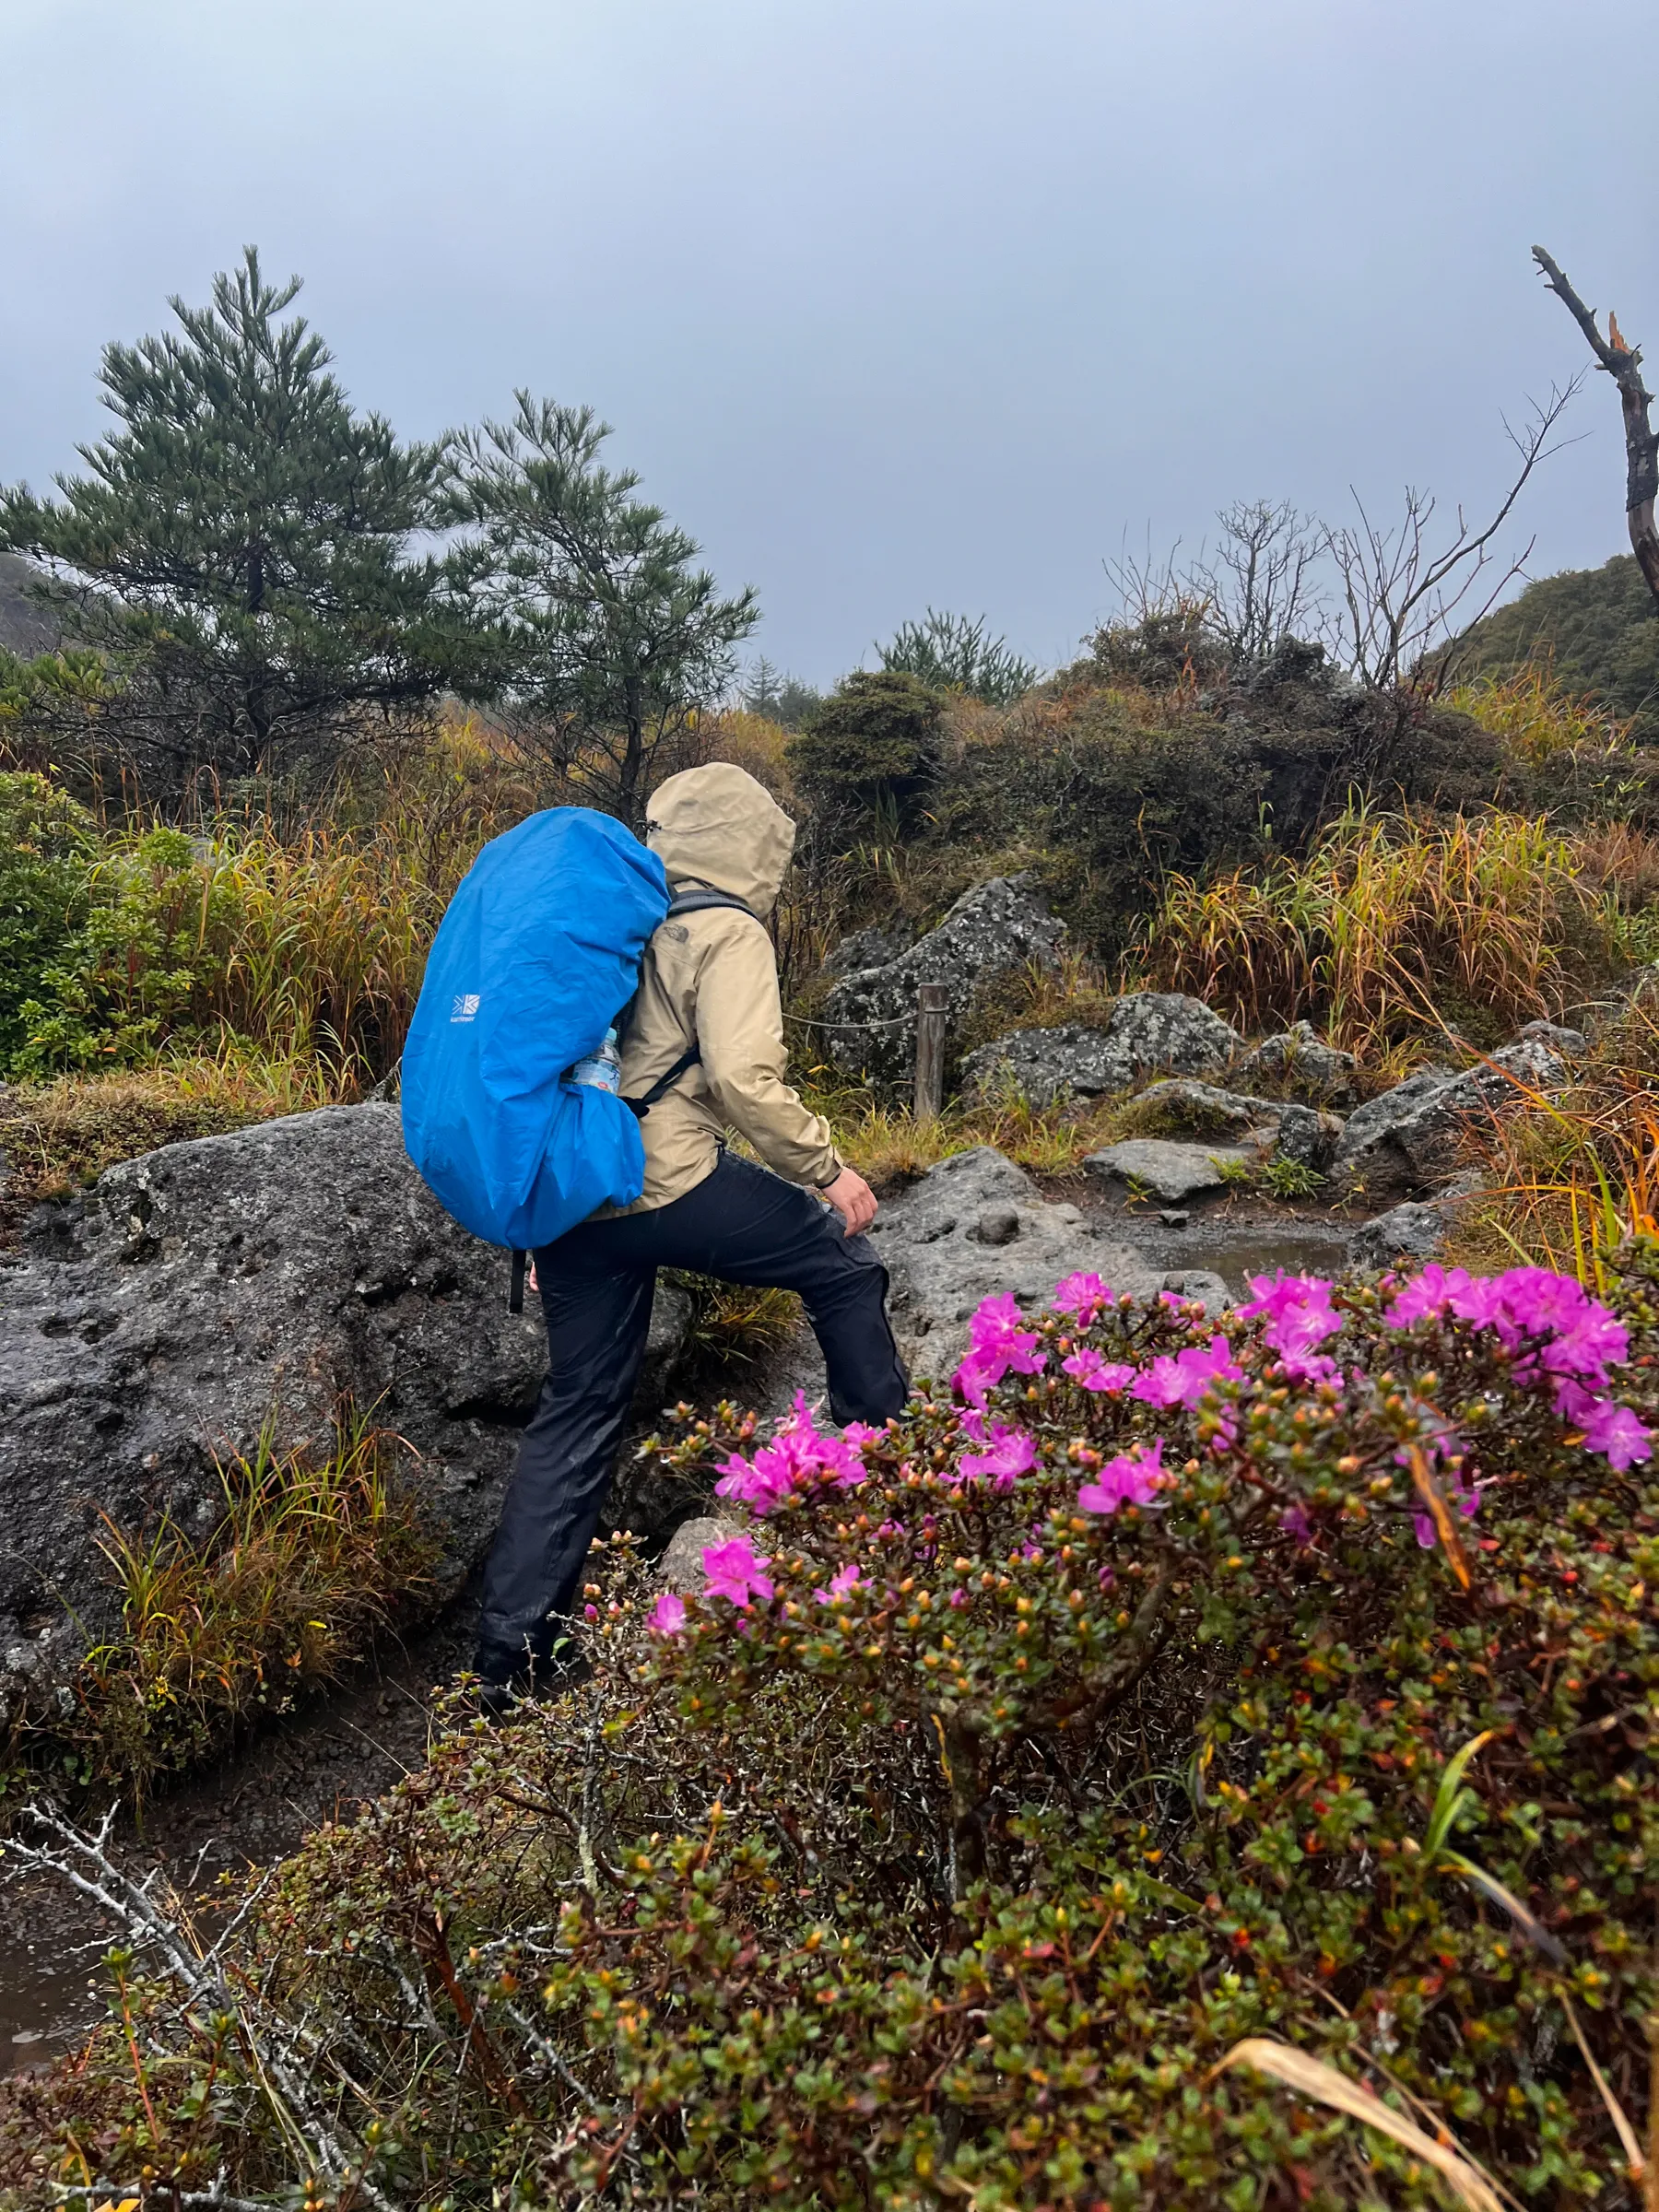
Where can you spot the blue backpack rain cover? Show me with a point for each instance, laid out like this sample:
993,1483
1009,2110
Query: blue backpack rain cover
538,953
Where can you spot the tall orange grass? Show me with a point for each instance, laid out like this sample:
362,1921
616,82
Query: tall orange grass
1569,1177
1536,714
1391,930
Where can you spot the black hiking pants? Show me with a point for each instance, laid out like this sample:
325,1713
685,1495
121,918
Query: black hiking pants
741,1223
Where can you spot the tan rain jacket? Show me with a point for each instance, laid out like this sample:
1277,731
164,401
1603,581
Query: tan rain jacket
711,978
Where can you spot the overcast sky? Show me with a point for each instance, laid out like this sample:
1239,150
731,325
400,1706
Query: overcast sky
892,301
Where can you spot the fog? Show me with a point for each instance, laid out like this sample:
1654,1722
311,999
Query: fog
893,303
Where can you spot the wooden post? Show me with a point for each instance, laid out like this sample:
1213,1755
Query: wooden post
933,1003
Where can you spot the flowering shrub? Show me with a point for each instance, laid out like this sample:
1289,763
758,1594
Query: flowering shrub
1160,1683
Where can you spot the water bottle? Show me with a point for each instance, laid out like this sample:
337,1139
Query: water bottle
603,1070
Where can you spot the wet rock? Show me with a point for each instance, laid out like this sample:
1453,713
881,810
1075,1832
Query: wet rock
940,1272
1168,1171
997,1225
1307,1136
1147,1032
1299,1063
682,1567
877,947
1404,1232
871,1015
1571,1044
1200,1283
158,1323
1406,1134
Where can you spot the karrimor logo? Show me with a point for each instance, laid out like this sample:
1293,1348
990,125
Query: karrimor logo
466,1006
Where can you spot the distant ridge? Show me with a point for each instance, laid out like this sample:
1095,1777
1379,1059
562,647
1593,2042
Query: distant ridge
1599,628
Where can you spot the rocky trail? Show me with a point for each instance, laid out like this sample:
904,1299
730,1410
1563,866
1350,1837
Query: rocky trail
975,1225
229,1288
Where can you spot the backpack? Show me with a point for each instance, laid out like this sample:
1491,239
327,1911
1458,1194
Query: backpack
536,956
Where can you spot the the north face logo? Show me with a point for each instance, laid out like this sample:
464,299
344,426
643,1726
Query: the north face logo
466,1006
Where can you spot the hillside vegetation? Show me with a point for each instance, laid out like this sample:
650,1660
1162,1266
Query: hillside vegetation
1185,1760
1595,629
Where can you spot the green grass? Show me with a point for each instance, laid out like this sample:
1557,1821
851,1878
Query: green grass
311,1556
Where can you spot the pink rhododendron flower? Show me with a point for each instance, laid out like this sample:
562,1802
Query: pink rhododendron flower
1614,1431
668,1614
1581,1339
735,1573
996,1343
842,1582
1295,1522
1187,1378
1009,1453
1554,1331
798,1460
1087,1367
1083,1297
1132,1478
1300,1316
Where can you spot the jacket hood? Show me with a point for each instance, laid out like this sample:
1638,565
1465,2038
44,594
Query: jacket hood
717,826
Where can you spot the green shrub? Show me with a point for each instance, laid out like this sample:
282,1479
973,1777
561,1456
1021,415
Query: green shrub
157,925
1594,628
869,752
1293,1681
47,846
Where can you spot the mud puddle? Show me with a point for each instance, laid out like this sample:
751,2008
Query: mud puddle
251,1808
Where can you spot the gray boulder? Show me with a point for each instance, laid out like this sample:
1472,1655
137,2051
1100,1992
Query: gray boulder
1406,1132
942,1262
1169,1172
195,1294
870,1015
1308,1136
1404,1232
1571,1044
1182,1108
1187,1110
1147,1032
872,948
1298,1064
1040,1065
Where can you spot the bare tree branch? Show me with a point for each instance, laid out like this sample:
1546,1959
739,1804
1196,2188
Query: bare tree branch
1623,364
1404,602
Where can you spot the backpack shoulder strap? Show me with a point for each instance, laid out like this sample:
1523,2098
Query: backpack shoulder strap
699,897
696,901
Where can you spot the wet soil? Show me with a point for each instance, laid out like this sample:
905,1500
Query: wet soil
339,1751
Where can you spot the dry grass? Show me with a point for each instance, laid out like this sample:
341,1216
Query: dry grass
1537,716
1567,1179
308,1559
58,1137
1395,929
890,1148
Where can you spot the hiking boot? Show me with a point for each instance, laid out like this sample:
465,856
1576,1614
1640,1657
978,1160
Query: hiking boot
509,1677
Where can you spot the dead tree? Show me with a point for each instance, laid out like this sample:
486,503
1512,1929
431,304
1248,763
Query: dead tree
1623,364
1409,597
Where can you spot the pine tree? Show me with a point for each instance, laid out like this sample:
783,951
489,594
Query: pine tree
244,549
615,639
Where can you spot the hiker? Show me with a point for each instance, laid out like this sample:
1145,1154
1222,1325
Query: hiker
709,982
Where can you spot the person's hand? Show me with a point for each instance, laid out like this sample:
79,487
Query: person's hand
530,1281
853,1200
